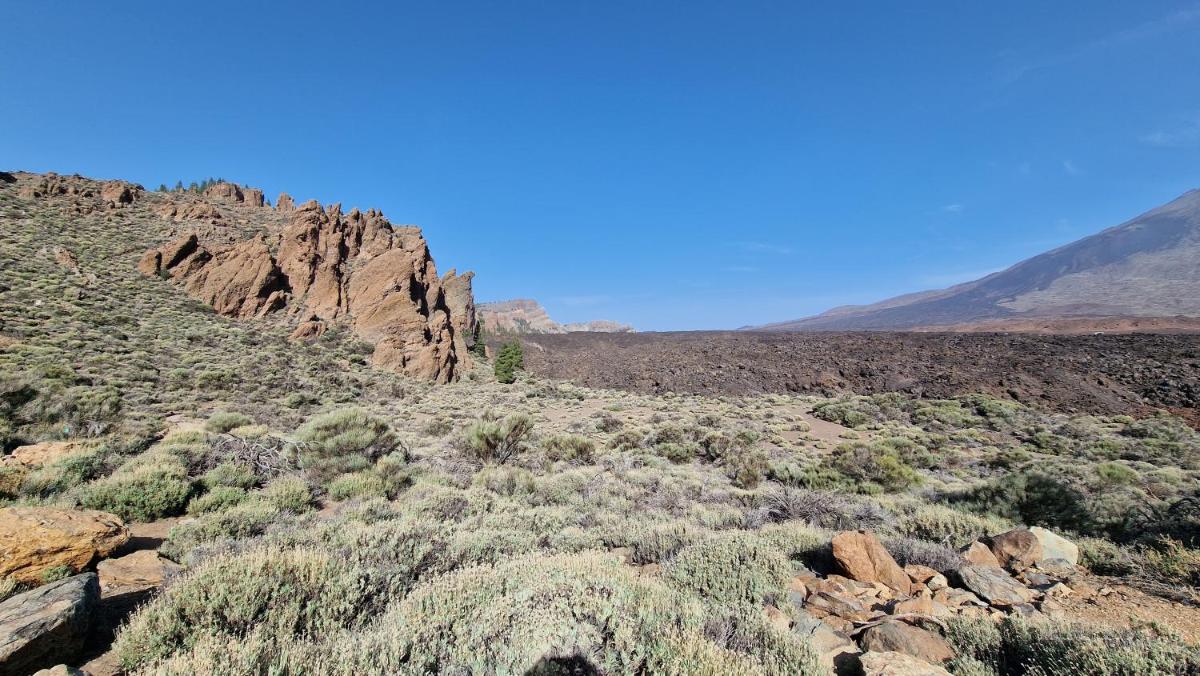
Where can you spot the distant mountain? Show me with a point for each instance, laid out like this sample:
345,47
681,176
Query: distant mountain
524,316
1146,267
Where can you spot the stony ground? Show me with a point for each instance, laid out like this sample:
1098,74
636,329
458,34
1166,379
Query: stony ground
262,505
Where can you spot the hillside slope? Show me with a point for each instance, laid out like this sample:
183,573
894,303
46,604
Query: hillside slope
1145,267
525,316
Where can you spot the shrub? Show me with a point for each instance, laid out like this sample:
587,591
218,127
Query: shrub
232,474
343,441
509,361
748,468
569,448
357,485
218,499
875,463
289,493
1015,647
236,523
730,568
224,421
144,493
498,441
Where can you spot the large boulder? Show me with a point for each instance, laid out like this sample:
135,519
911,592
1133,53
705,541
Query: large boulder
47,625
897,664
994,585
134,576
36,539
863,558
836,650
895,636
979,554
119,193
1016,549
1055,546
45,453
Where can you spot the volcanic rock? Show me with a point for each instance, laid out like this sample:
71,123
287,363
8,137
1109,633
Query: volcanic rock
994,585
897,664
119,193
1055,546
893,636
863,558
1016,549
36,539
47,625
285,204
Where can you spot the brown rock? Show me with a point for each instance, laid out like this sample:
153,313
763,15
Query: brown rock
59,670
777,617
252,197
897,664
460,301
36,455
120,193
127,581
47,625
863,558
1055,547
846,607
921,605
224,191
35,539
1016,549
994,585
927,576
835,648
904,638
285,204
240,282
979,554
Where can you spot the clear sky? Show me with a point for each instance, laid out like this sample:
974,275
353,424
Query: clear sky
675,165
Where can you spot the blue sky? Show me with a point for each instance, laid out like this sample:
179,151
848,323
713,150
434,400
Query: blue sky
675,165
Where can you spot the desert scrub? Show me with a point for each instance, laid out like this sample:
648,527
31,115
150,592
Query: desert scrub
218,499
284,593
224,421
232,474
730,568
289,494
150,490
492,440
569,448
239,522
748,468
357,485
1017,647
348,440
873,467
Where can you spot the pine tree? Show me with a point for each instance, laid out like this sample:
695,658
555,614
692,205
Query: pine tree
162,187
178,186
509,361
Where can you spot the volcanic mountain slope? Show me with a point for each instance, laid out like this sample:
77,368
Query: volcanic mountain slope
1146,267
524,316
309,267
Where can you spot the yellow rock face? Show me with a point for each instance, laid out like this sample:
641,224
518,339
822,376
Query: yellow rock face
35,539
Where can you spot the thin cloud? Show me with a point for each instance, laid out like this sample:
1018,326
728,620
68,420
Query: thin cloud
953,208
765,247
1071,168
1183,136
1017,66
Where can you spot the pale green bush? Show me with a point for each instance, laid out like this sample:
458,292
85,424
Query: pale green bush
218,499
224,421
145,492
730,568
498,441
357,485
289,493
344,441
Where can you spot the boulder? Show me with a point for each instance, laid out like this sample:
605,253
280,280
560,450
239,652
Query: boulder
1055,546
460,301
224,191
47,452
863,558
927,576
36,539
824,604
994,585
120,193
777,617
895,636
1016,549
253,197
837,651
897,664
920,605
979,554
47,625
127,580
59,670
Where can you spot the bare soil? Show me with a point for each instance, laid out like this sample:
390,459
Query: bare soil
1093,374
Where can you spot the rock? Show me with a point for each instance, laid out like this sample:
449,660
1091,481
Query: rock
1055,546
921,605
59,670
897,664
863,558
932,579
824,603
1016,549
955,598
285,204
252,197
460,300
36,539
242,281
120,193
994,585
893,636
36,455
836,649
777,617
224,191
1059,568
1059,590
979,554
67,260
129,579
310,329
47,625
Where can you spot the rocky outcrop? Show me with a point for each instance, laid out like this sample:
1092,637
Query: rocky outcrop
895,636
328,266
127,581
1016,549
36,539
863,558
48,625
36,455
285,204
117,194
524,316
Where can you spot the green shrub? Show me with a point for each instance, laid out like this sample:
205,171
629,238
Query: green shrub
232,474
730,568
224,421
357,485
569,448
875,463
748,468
144,493
56,573
1017,647
289,493
218,499
242,521
510,360
344,441
499,441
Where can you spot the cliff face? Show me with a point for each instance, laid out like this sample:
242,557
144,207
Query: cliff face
326,266
525,316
